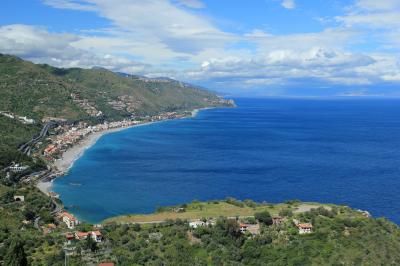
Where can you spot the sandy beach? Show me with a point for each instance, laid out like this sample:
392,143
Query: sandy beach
76,151
45,186
72,154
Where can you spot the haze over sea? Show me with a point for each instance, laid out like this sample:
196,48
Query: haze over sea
343,151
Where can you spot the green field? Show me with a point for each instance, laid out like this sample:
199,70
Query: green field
213,209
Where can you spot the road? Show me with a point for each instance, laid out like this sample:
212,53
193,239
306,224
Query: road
26,148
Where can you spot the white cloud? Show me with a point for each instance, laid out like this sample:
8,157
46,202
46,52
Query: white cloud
70,4
285,67
186,45
58,49
174,31
288,4
378,4
192,3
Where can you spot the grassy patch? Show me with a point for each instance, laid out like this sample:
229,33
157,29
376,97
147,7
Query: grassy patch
214,209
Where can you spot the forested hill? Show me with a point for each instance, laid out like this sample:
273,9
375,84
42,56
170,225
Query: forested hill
39,91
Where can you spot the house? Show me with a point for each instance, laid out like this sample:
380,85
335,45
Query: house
106,264
81,235
277,220
243,228
304,228
96,236
69,220
253,229
19,198
197,223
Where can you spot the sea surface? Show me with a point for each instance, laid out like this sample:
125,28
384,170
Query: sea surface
343,151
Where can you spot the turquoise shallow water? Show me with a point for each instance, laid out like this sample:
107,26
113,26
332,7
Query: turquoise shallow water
334,151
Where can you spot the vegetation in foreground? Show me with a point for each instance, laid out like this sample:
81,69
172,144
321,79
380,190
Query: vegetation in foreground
340,236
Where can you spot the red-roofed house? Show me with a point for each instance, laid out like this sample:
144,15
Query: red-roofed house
106,264
304,228
81,235
69,220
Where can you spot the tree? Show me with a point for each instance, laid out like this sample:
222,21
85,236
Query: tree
91,244
264,217
15,255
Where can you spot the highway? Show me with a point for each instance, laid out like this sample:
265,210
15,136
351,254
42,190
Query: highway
27,147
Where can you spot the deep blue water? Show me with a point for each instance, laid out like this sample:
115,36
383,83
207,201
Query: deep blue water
332,151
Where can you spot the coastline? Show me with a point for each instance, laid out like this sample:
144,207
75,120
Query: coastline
69,157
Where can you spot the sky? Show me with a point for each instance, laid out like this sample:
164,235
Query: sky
239,48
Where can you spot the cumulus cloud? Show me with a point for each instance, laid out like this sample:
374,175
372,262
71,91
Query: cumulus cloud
284,66
58,49
288,4
188,46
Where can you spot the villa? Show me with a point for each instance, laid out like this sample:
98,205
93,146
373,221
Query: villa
69,220
305,228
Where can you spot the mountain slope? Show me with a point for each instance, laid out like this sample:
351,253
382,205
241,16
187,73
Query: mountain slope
40,90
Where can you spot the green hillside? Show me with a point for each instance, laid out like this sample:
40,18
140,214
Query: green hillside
340,236
39,91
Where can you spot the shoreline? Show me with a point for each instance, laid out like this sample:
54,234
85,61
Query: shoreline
70,156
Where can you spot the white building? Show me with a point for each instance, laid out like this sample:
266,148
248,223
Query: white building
96,236
197,223
69,220
18,168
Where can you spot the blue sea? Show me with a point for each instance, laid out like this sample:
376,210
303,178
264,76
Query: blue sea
343,151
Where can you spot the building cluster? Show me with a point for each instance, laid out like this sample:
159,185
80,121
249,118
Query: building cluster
69,135
117,105
85,105
22,119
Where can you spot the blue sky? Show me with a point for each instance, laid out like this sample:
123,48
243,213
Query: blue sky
252,48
